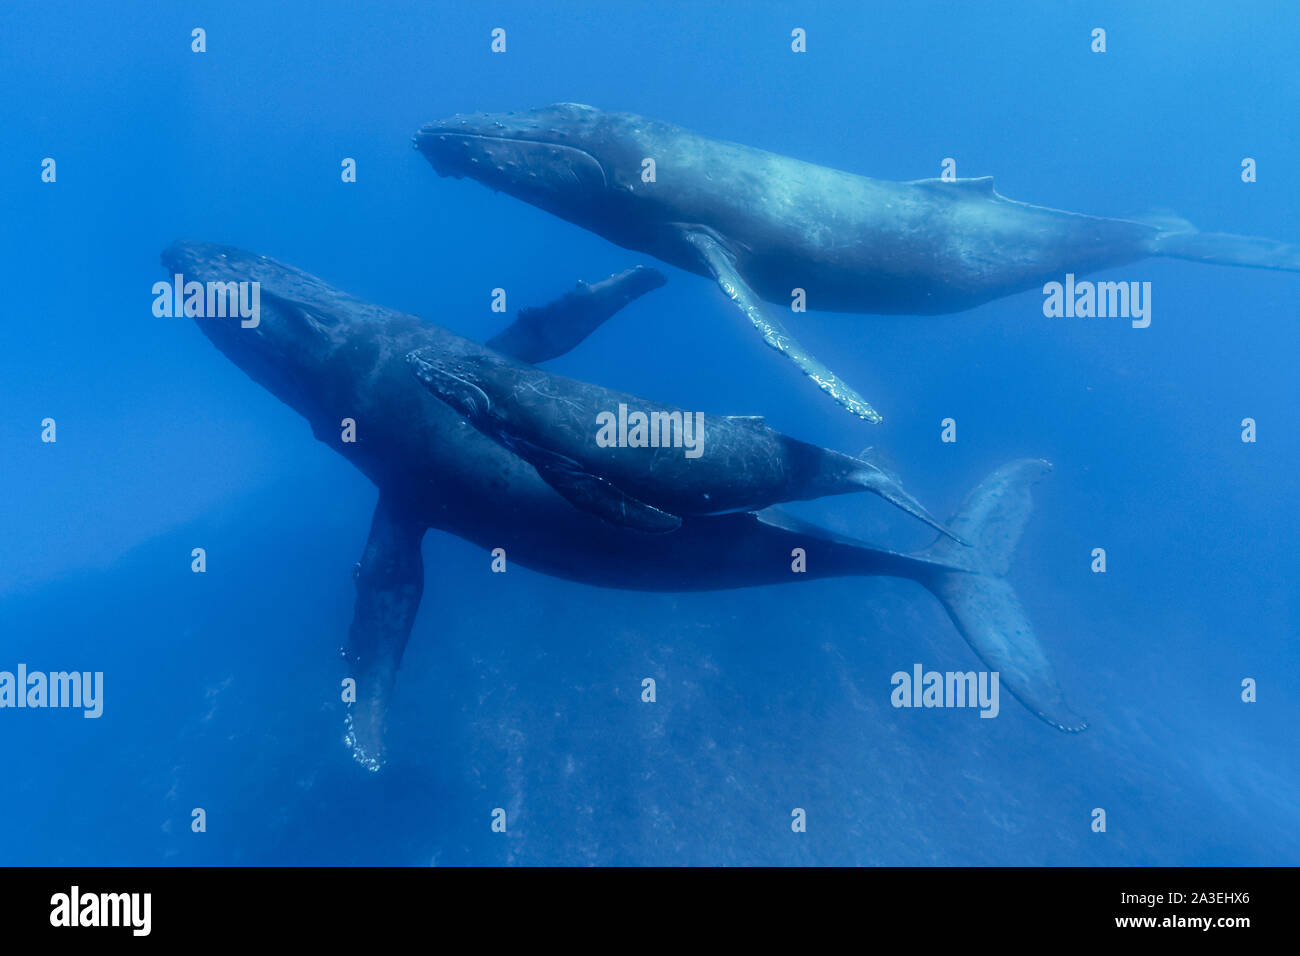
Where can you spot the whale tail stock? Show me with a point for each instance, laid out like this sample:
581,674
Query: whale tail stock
969,582
887,486
1179,239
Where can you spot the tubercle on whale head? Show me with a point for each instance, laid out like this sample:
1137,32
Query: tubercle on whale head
568,158
300,325
558,124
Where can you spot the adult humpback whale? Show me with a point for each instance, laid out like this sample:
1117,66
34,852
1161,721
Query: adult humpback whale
330,356
681,463
763,225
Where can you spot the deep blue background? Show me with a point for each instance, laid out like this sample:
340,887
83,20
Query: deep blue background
521,691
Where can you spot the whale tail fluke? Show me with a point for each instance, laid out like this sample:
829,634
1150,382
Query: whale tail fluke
1183,241
969,583
991,519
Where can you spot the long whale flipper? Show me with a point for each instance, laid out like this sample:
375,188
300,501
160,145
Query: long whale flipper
541,333
600,496
390,582
718,261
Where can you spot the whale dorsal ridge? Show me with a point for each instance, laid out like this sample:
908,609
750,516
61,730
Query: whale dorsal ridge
979,185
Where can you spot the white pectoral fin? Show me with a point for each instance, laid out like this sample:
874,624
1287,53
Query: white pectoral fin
719,263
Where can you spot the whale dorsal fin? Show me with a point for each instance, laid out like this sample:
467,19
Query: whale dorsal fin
979,185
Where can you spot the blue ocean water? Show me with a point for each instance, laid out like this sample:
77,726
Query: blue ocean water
522,691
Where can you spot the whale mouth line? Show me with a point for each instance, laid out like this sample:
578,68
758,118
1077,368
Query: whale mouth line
430,134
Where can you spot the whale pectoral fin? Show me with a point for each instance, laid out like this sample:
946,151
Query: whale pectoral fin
719,262
541,333
389,580
603,498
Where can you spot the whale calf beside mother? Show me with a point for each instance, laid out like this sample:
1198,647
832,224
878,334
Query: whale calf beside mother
330,356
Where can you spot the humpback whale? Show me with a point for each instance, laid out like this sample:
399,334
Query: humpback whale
763,225
328,356
684,463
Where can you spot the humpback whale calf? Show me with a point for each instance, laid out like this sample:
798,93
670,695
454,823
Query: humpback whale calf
684,463
763,225
329,356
